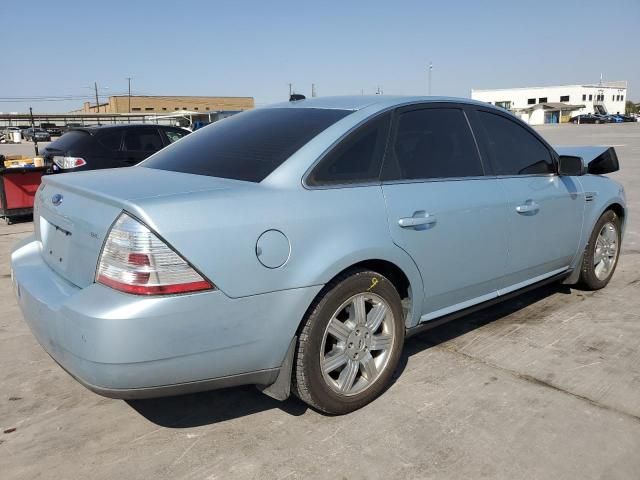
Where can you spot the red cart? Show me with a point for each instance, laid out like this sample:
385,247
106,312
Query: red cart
18,187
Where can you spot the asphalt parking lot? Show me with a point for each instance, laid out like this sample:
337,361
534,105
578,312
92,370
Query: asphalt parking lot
544,386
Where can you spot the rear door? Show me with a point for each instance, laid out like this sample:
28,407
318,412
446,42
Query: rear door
140,143
545,210
442,208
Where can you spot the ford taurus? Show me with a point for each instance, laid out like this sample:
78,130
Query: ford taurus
295,247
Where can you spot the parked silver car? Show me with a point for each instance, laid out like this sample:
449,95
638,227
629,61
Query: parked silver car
296,246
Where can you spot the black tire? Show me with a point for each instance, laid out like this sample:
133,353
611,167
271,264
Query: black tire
588,278
309,384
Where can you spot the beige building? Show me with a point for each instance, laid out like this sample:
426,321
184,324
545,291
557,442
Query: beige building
166,104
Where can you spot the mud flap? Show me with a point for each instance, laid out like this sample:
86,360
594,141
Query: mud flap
281,388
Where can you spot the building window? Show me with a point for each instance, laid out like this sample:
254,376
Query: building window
176,108
148,109
531,101
195,108
590,97
543,100
622,98
135,109
564,98
207,108
584,97
506,105
164,109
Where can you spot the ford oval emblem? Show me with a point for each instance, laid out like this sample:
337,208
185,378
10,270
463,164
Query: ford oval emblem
56,199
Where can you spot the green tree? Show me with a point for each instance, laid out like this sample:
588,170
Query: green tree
631,107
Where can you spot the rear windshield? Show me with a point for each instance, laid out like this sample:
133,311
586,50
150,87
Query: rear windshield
248,146
71,140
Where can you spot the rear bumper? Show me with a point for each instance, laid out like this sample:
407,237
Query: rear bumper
125,346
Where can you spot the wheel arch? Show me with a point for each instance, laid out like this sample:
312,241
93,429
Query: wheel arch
619,210
401,272
615,205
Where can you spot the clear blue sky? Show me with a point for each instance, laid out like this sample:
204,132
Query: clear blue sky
255,48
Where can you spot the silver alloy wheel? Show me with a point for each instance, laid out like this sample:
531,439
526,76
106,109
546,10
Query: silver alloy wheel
357,343
606,251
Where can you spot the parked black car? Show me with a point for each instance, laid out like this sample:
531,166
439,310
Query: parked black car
38,133
52,128
110,146
588,118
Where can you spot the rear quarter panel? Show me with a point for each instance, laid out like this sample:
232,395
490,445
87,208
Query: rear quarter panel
328,231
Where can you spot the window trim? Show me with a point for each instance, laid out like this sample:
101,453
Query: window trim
487,172
476,124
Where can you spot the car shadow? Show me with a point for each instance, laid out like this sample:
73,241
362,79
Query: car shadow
206,408
216,406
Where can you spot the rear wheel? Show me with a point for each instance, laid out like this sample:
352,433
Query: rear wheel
601,254
349,344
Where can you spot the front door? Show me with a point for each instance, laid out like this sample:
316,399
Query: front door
443,210
544,210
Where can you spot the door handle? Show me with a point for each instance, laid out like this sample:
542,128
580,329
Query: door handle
419,219
529,207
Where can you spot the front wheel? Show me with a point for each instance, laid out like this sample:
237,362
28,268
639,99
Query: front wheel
601,254
349,344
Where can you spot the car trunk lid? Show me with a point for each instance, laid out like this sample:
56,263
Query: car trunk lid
74,212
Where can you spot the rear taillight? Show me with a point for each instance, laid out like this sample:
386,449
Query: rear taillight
134,260
69,162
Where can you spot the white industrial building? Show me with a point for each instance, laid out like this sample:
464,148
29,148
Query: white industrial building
538,105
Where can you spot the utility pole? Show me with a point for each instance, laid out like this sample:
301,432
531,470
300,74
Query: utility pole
129,81
430,69
95,84
33,129
290,90
313,90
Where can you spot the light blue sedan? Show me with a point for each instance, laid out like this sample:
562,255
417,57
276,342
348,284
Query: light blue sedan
295,247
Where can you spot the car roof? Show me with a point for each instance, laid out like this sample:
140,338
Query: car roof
359,102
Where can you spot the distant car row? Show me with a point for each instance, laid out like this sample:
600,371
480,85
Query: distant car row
43,133
598,118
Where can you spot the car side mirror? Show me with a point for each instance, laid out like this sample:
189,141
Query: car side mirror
570,166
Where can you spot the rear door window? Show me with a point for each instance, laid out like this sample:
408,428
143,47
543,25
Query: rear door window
357,159
142,140
111,140
512,148
432,143
248,146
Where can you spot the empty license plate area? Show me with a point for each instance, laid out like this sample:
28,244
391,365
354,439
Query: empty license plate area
56,241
